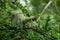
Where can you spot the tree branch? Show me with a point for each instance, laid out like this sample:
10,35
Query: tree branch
46,6
38,30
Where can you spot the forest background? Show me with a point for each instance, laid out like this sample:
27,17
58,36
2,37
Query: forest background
29,20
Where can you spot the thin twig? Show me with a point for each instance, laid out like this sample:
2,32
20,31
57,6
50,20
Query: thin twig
46,6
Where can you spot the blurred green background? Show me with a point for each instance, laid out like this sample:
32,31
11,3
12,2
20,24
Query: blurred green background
46,28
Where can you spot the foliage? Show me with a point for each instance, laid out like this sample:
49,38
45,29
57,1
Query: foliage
46,28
